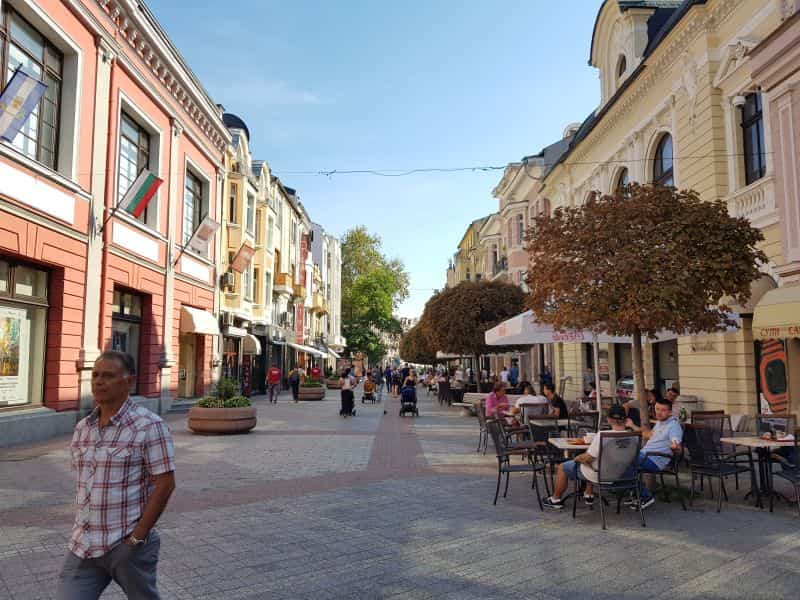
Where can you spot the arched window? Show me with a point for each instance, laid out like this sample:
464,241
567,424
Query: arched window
662,163
520,229
622,66
623,179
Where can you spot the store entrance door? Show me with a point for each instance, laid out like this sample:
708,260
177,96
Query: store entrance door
186,365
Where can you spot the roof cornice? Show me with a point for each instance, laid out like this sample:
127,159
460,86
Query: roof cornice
135,24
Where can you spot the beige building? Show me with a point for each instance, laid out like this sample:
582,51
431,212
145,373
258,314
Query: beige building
681,105
469,261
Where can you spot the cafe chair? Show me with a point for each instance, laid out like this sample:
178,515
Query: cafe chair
483,432
617,470
504,466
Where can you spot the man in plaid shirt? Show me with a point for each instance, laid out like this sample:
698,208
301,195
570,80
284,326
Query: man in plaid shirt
123,458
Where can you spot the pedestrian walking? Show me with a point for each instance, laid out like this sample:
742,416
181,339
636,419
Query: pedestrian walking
123,458
347,381
274,384
388,375
294,383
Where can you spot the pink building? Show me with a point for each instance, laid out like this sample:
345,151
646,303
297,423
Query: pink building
77,277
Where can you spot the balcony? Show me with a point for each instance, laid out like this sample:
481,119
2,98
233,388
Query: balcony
283,283
299,291
319,304
756,202
500,268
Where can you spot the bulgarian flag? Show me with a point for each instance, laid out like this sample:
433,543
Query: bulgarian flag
140,193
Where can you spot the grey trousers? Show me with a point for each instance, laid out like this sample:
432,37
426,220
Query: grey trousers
133,569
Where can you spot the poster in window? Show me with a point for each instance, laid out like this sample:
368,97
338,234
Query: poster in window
14,344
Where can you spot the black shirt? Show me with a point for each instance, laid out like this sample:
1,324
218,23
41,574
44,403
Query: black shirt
558,402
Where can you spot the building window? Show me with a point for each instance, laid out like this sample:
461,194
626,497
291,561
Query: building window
195,206
23,320
257,286
247,283
622,181
270,226
259,227
134,157
520,228
23,46
251,213
622,66
662,164
232,204
267,285
126,327
755,155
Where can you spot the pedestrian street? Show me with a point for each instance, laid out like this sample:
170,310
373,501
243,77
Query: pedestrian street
311,505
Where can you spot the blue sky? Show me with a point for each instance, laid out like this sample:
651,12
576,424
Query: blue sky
402,85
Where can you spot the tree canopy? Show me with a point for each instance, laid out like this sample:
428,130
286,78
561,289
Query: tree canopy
372,288
415,347
456,319
646,259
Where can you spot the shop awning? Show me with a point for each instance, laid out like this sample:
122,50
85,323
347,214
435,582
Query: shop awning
777,315
251,345
306,349
200,322
523,330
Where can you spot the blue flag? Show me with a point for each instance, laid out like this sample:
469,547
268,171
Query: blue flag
18,100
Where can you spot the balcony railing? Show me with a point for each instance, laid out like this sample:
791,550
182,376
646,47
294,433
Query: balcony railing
756,202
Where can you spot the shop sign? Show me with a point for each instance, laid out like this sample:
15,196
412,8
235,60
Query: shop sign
777,333
14,359
568,336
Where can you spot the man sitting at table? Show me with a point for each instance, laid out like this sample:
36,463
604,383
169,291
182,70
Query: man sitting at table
665,438
558,407
569,471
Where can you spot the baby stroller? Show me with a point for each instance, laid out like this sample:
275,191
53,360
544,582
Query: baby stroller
408,401
368,397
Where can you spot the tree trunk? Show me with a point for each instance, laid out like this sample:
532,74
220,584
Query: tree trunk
638,378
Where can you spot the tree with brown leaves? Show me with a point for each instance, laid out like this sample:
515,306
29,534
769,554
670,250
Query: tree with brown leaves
456,319
646,259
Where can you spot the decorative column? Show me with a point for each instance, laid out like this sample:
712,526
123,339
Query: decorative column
90,342
173,202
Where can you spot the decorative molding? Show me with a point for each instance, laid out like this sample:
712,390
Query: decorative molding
700,20
788,8
130,26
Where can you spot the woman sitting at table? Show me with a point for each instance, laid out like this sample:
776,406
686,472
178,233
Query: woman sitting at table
497,402
536,404
558,407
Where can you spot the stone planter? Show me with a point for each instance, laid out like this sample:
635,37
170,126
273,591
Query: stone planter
311,393
222,420
333,384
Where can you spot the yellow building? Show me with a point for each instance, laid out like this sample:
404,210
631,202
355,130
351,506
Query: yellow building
679,107
469,262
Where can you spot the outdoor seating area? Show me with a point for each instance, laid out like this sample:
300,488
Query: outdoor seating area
706,458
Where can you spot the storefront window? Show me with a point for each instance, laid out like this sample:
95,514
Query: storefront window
126,326
23,321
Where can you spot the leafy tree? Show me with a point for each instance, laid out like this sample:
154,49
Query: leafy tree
646,259
456,319
372,288
415,347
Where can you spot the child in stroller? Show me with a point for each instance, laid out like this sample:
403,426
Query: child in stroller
369,390
408,401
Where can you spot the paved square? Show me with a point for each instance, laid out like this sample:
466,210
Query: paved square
311,505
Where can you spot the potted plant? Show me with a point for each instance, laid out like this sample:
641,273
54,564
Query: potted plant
332,382
311,389
225,411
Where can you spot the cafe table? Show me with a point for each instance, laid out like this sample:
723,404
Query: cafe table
550,422
563,444
763,448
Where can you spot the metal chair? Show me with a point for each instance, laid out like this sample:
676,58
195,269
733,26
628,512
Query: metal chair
617,469
672,470
504,466
584,422
707,458
483,433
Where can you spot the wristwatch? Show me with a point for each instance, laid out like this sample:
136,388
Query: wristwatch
136,541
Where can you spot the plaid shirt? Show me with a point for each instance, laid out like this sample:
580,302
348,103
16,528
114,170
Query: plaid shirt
114,466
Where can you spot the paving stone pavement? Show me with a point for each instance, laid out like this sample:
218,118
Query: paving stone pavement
311,505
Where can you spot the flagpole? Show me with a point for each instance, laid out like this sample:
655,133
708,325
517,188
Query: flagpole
111,213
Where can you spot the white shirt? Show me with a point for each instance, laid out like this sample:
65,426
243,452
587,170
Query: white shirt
504,376
529,400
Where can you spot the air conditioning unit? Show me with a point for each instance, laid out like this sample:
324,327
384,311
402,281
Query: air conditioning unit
227,319
228,280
